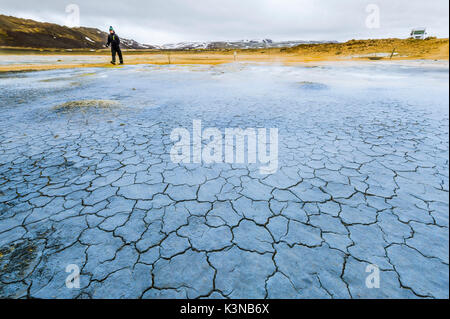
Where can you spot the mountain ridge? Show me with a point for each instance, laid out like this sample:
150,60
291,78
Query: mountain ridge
26,33
18,32
241,44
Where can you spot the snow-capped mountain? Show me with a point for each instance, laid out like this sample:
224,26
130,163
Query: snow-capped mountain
243,44
19,32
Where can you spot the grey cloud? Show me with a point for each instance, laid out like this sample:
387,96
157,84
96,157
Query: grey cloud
154,21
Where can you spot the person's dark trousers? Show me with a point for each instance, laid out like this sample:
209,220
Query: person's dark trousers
119,52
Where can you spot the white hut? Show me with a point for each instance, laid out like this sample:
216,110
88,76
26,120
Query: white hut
419,33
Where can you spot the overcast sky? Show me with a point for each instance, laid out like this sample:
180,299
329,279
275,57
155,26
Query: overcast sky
169,21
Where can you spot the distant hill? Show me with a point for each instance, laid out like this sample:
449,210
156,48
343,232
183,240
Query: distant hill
243,44
16,32
24,33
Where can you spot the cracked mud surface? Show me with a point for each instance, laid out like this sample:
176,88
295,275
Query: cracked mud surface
362,179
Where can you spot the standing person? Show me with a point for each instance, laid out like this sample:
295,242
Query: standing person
114,41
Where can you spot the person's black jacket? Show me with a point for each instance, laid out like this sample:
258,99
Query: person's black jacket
113,40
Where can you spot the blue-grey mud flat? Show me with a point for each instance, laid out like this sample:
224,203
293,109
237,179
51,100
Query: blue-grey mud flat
86,179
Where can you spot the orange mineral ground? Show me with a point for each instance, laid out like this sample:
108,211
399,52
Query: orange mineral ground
32,59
